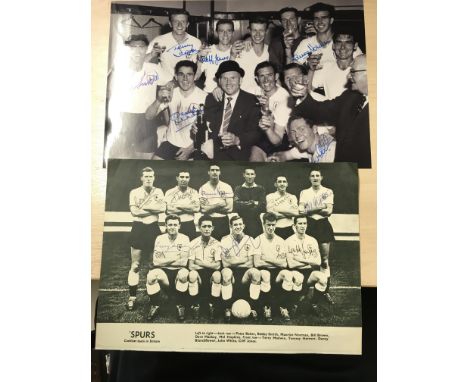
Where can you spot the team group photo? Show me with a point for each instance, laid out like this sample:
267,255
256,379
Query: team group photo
238,81
221,242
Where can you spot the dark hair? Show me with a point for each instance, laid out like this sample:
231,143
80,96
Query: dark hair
224,21
146,169
315,169
181,171
265,64
172,217
318,7
204,218
269,217
234,218
258,20
249,168
295,117
299,217
186,63
280,176
213,164
288,9
343,32
178,12
137,37
303,69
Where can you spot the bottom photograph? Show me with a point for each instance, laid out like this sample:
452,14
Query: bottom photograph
230,257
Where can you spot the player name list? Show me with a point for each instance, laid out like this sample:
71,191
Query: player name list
229,338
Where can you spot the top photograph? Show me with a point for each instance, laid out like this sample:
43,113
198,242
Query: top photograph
238,80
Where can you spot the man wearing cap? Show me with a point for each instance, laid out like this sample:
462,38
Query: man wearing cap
233,120
170,271
131,90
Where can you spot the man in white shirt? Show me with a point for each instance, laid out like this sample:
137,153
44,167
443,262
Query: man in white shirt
217,200
210,58
169,269
187,101
184,202
175,46
146,203
270,260
284,206
205,265
316,203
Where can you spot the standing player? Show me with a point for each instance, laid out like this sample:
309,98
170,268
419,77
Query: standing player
183,201
304,261
249,202
284,206
316,203
237,260
146,202
170,260
204,265
269,259
216,200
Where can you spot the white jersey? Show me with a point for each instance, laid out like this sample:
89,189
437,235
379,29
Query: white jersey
248,60
209,253
210,65
275,201
134,92
214,195
312,45
188,198
183,114
278,104
332,79
306,248
270,249
175,51
141,199
243,250
313,199
167,249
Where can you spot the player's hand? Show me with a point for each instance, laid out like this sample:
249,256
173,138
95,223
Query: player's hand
302,209
184,153
157,49
203,201
248,44
288,40
165,93
298,87
237,48
266,122
314,60
229,139
203,52
218,93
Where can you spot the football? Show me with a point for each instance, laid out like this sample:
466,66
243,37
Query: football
241,309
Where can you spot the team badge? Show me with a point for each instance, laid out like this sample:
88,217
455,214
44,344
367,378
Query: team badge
278,248
247,247
179,247
212,252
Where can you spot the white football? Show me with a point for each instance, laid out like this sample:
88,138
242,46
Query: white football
241,309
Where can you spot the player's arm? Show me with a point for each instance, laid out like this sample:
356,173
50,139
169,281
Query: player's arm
237,200
137,212
214,207
292,262
277,263
205,264
228,205
289,211
159,260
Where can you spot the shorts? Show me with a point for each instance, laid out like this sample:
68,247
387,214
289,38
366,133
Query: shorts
167,150
143,236
321,230
188,228
284,232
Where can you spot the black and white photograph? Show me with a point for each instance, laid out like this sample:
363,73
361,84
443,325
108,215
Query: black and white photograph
192,246
276,81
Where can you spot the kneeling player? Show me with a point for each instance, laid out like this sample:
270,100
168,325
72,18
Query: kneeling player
204,265
169,261
304,263
269,259
237,260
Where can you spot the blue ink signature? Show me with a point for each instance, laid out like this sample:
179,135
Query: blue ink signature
311,49
323,146
147,79
183,116
215,60
181,50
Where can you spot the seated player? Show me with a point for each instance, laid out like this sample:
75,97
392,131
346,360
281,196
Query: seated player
269,259
169,271
204,265
239,278
304,268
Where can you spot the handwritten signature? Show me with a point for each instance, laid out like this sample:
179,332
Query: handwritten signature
183,50
147,80
310,49
215,60
323,146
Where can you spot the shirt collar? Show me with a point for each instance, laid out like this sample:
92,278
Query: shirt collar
233,100
253,185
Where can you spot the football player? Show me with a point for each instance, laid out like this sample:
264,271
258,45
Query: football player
205,265
146,202
183,201
170,271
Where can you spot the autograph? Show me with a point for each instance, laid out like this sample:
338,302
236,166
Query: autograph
147,80
183,50
311,49
323,146
215,60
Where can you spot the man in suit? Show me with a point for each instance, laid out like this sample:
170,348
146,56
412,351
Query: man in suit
233,120
349,113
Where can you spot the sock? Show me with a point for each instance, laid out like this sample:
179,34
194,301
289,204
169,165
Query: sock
132,290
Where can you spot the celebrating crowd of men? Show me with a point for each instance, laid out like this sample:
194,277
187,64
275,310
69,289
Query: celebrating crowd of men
299,98
271,250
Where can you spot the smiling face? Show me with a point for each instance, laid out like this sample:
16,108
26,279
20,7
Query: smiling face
258,32
266,79
358,75
281,183
185,78
147,179
322,21
179,24
301,225
172,227
290,22
249,176
225,33
344,46
315,178
230,82
301,134
292,76
237,226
